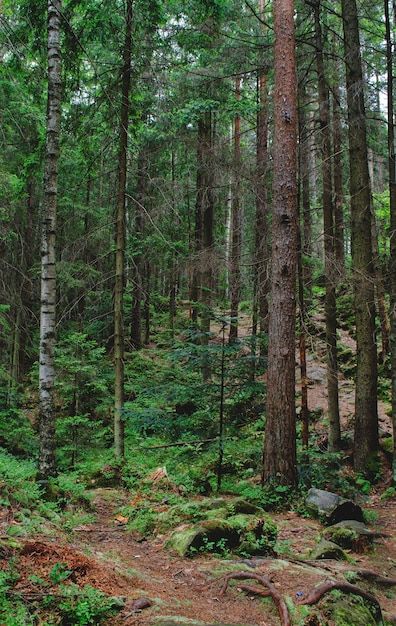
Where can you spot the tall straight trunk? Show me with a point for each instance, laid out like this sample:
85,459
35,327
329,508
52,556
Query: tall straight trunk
305,188
380,291
204,236
304,266
339,246
236,225
47,459
390,44
280,465
137,269
328,228
261,250
119,286
366,417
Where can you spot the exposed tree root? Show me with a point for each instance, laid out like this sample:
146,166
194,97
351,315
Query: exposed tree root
316,594
272,591
367,574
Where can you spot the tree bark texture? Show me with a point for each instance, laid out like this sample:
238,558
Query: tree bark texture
328,234
339,246
137,269
204,232
366,419
47,459
236,225
390,44
261,251
280,435
305,187
119,288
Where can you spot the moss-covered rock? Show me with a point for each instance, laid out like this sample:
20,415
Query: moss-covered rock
350,535
347,610
214,535
328,550
247,533
220,524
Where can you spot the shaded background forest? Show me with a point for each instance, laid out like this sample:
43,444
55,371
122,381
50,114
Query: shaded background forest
198,211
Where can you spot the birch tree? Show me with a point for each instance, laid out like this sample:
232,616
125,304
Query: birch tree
47,460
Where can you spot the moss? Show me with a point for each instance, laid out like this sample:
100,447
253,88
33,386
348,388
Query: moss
348,610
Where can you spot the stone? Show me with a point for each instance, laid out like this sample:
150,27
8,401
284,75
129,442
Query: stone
328,550
332,508
351,535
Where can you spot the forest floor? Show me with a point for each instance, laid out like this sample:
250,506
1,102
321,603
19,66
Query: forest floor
105,555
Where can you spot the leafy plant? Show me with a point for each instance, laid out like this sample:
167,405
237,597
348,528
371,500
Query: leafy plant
12,609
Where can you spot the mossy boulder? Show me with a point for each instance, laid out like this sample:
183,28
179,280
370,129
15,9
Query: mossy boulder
351,535
346,610
246,533
328,550
257,535
213,535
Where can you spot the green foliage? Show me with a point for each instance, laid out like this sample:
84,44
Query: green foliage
324,470
83,387
219,547
16,430
84,606
13,611
18,481
389,494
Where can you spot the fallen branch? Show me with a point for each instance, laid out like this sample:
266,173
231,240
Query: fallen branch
265,581
316,594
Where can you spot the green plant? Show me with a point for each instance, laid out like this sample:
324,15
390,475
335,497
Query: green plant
220,547
85,606
12,609
389,493
363,484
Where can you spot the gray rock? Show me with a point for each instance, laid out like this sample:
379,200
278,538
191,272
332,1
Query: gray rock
332,508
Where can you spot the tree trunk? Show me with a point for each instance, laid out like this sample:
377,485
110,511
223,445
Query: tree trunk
328,228
261,251
392,201
366,419
236,226
47,460
204,227
119,287
305,184
280,434
339,246
380,291
137,279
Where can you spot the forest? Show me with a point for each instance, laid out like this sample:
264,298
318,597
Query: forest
198,292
